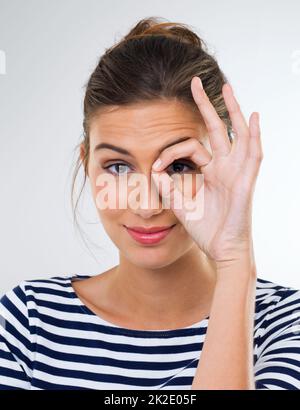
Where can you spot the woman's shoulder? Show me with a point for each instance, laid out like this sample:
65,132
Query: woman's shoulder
277,308
277,336
54,291
37,285
44,283
271,293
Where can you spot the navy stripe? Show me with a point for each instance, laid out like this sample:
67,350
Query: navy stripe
46,385
88,326
17,352
109,378
279,383
15,311
50,291
109,361
118,347
281,369
7,372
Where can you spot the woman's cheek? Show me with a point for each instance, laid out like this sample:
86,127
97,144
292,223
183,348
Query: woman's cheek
197,184
111,192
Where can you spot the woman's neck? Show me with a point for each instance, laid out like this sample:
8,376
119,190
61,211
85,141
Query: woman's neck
176,295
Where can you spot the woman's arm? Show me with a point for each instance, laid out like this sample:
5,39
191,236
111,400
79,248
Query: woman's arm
15,340
223,231
226,361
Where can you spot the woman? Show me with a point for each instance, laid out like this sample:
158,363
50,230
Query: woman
184,307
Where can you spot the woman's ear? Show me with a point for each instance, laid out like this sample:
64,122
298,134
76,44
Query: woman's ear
82,156
82,152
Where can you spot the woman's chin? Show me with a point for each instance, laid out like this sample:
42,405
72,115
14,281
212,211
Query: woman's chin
152,257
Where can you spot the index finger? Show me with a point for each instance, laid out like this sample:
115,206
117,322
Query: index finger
216,128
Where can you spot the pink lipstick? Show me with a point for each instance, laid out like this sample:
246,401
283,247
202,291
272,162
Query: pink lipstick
150,235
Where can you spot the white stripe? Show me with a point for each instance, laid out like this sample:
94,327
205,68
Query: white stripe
281,345
13,382
120,339
271,387
16,324
293,356
18,303
99,352
12,340
265,365
82,317
281,308
47,297
51,286
280,377
273,335
106,369
9,364
60,279
90,384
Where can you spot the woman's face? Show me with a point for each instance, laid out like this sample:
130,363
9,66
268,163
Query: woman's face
142,130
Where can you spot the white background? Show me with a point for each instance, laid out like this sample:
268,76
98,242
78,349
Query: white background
51,48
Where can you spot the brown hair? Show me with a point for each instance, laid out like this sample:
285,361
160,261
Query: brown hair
155,60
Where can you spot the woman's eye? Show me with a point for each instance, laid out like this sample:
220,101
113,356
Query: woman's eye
119,166
179,167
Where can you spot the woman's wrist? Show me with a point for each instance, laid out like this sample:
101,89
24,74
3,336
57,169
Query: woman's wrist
239,267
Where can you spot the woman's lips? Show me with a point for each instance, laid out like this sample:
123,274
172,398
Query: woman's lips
149,238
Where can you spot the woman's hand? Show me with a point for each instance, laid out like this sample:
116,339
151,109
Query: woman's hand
223,231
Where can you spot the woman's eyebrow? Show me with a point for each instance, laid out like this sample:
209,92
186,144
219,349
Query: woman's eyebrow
104,145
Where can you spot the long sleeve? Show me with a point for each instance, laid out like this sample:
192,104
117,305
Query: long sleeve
15,340
278,363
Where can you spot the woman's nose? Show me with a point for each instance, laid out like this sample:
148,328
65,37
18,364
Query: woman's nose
147,202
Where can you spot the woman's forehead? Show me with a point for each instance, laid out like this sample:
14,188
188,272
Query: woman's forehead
149,110
145,121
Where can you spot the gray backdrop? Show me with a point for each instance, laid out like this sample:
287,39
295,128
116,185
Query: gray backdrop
48,49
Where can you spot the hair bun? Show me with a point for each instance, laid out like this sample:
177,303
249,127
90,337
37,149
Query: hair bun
152,26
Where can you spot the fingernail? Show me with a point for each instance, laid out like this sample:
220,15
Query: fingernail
258,120
229,87
199,82
157,163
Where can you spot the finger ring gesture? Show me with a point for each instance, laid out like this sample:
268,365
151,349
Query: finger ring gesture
229,175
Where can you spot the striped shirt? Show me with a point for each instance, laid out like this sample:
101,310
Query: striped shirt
49,339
